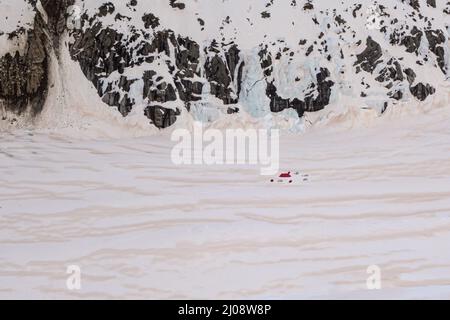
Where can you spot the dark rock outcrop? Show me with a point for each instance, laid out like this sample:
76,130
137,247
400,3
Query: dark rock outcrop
100,52
422,91
177,4
24,76
436,40
161,117
370,57
431,3
221,73
317,98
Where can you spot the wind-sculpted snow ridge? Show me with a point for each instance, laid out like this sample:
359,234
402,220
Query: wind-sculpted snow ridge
214,58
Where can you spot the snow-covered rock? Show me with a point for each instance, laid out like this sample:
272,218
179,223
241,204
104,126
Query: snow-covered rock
212,58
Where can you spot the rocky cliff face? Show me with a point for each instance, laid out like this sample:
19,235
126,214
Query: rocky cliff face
24,75
213,58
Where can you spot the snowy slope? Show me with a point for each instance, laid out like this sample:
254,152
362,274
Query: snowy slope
141,228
